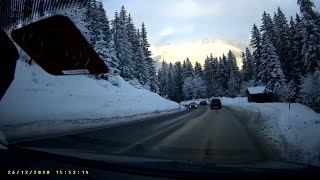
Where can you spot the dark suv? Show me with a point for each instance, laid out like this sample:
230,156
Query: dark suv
215,103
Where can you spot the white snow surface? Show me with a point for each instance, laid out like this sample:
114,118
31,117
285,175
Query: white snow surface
299,126
185,103
256,90
37,102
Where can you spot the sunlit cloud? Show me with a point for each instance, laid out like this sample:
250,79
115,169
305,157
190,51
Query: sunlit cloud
178,30
196,51
166,32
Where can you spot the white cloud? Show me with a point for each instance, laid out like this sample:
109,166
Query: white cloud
167,32
191,9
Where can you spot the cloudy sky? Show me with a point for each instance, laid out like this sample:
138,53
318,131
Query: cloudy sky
195,28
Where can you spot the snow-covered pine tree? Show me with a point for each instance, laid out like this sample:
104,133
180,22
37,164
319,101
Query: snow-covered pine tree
171,86
271,73
224,74
185,70
247,72
247,67
91,18
162,78
282,40
115,30
178,81
267,34
194,87
187,67
310,33
123,46
138,57
141,67
216,89
190,70
198,69
310,91
188,88
291,53
233,88
266,52
131,30
150,62
211,75
255,42
200,89
234,77
105,45
268,29
295,56
207,72
244,67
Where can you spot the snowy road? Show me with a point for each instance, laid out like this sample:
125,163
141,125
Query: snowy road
194,135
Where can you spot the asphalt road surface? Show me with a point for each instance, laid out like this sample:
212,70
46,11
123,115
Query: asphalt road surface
196,135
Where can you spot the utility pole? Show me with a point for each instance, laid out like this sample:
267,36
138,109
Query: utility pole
289,95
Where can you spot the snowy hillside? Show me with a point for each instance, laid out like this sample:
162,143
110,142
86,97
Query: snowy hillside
295,132
37,96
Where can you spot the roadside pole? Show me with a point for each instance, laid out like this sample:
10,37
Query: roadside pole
289,105
289,99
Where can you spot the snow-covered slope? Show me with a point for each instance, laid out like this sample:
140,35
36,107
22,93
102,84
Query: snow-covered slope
299,127
37,96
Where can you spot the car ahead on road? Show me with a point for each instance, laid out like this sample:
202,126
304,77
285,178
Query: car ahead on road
203,103
215,103
193,105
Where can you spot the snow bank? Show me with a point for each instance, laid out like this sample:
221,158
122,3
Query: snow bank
185,103
296,132
38,97
234,101
3,141
223,99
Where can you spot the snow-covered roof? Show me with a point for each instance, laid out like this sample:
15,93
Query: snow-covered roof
257,90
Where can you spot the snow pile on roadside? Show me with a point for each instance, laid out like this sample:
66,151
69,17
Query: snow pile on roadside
185,103
223,100
296,132
236,100
36,96
3,141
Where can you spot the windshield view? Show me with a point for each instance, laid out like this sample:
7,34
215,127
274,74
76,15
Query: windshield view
202,82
